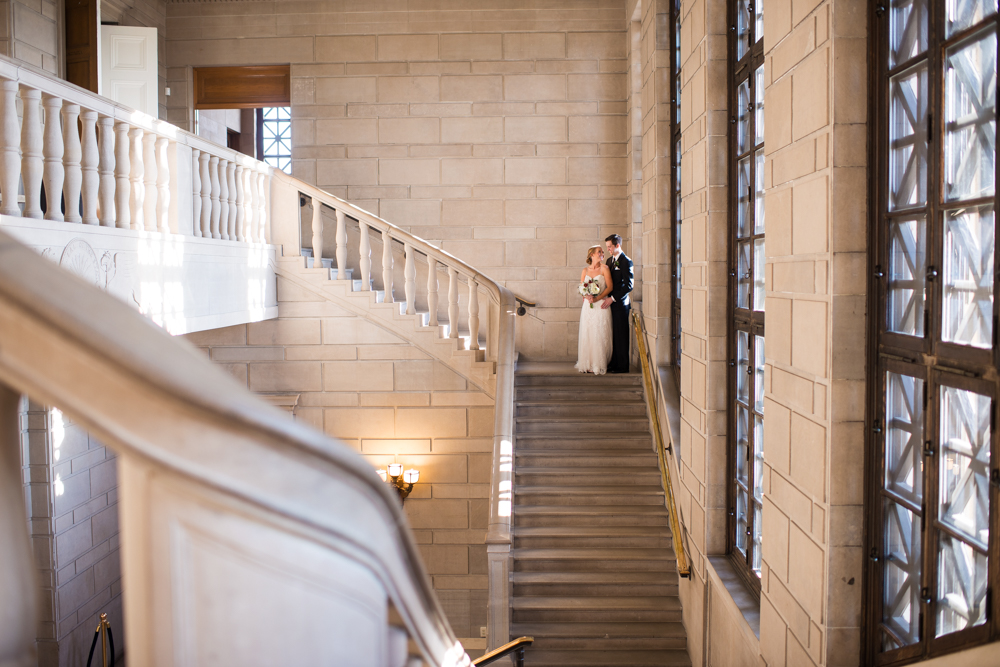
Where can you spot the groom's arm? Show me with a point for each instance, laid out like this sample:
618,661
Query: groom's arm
625,286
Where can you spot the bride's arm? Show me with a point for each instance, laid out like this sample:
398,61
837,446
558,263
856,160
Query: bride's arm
583,276
608,285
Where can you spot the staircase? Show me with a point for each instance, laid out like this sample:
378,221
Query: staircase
594,575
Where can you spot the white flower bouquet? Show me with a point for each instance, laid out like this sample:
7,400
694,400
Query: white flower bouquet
589,287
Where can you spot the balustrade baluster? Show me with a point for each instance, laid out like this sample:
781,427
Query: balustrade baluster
10,148
90,163
123,186
262,184
223,200
365,259
206,196
162,185
341,245
317,237
387,266
432,292
149,173
231,198
410,279
72,158
248,205
240,204
53,173
196,192
31,152
137,201
452,303
253,214
473,314
213,171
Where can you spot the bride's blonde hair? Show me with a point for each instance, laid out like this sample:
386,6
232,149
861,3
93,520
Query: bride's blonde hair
593,249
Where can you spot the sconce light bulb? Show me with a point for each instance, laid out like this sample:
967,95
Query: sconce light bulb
395,469
381,473
411,476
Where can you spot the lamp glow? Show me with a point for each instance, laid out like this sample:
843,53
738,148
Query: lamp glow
401,481
411,476
395,469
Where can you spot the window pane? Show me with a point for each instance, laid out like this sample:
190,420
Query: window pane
743,367
758,28
907,276
970,94
962,578
963,14
901,594
758,118
758,388
758,198
742,446
743,108
964,463
755,559
908,138
967,315
907,30
743,275
904,436
742,28
743,197
758,463
758,274
741,520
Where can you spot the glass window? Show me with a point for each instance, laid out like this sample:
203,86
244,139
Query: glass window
274,142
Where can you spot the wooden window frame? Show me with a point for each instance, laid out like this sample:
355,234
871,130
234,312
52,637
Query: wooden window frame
928,358
739,319
243,87
675,181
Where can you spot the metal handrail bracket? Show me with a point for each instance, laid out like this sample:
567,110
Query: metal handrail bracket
518,645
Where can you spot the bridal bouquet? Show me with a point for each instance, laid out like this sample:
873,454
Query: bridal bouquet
589,287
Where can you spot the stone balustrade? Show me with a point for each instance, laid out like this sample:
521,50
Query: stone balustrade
68,155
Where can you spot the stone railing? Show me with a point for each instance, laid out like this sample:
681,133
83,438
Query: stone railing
113,166
236,522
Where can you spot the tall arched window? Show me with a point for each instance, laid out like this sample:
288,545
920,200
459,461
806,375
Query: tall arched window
746,285
933,381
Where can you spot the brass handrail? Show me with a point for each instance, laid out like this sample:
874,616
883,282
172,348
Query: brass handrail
518,644
683,568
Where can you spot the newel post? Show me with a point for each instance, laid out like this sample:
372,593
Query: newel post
10,148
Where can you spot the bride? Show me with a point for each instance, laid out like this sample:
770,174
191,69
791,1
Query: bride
594,346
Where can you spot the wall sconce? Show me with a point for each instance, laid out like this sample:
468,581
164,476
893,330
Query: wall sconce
401,481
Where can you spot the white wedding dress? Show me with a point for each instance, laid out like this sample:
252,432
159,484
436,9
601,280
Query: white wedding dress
594,346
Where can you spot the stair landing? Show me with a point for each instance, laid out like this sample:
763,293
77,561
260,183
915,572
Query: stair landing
594,575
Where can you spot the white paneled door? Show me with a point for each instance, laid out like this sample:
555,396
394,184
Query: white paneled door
129,66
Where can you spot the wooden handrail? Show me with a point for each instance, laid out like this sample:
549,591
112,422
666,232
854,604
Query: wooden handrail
683,567
518,644
184,429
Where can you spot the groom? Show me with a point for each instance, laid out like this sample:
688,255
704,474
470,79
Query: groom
619,302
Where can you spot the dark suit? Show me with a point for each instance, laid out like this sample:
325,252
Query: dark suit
621,285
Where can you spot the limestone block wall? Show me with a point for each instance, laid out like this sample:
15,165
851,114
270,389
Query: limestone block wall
32,31
386,399
71,492
498,133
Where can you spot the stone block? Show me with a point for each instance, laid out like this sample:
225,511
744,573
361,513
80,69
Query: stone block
431,423
596,170
234,335
440,67
410,211
476,253
409,172
472,171
409,89
597,86
427,513
806,571
536,253
534,87
393,399
476,46
103,477
74,594
808,456
344,90
353,423
809,336
344,131
772,633
475,88
534,212
355,331
395,447
357,376
445,559
409,130
811,94
345,48
105,524
472,212
73,543
777,435
481,422
596,45
285,376
535,171
584,129
534,46
471,130
285,332
407,47
535,129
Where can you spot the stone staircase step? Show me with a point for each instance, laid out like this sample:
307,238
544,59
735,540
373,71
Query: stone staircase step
583,427
600,458
669,641
577,603
584,477
588,497
575,443
587,410
610,658
589,393
567,515
578,379
593,629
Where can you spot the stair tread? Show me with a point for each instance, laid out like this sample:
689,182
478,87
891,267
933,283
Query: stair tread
590,509
602,602
593,577
591,531
591,553
634,490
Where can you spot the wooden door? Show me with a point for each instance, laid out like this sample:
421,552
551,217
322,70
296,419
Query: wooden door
129,69
82,48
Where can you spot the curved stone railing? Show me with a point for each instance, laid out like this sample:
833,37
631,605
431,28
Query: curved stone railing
116,167
235,520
